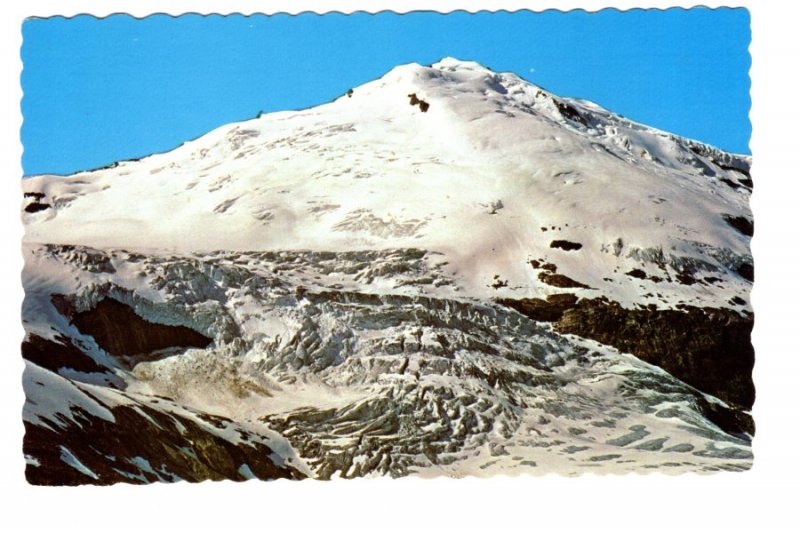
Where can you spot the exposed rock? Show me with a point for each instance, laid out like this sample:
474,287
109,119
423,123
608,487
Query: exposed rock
495,206
569,112
730,183
498,283
566,245
561,281
55,355
746,271
741,224
35,207
684,342
541,265
733,421
637,273
550,310
141,445
423,105
727,162
120,331
709,349
564,299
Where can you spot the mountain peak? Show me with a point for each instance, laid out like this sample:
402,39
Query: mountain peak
450,74
453,64
412,159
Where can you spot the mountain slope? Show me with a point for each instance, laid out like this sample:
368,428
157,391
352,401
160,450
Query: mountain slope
491,175
406,280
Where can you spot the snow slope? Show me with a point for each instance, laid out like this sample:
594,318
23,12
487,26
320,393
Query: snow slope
489,175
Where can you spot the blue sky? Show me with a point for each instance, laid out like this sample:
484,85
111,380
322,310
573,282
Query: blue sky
99,91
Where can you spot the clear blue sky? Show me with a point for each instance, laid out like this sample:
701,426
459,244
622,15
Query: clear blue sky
98,91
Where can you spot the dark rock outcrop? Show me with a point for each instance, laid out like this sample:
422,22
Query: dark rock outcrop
415,101
548,273
541,265
55,355
685,278
709,349
142,445
566,245
741,224
549,310
35,207
120,331
561,281
637,273
569,112
746,271
732,421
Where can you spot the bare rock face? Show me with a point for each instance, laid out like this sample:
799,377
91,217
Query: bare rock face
142,445
120,331
568,246
741,224
709,349
54,355
548,310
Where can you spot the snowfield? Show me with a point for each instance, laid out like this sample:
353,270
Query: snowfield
348,266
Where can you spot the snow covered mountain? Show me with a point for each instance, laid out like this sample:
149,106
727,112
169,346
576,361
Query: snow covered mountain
444,271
